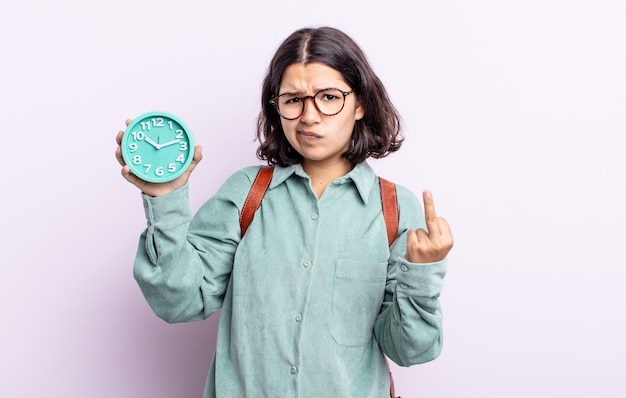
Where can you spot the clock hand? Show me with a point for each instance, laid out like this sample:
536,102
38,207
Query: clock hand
169,143
154,144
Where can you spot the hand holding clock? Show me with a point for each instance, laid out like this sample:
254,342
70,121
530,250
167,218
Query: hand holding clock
154,169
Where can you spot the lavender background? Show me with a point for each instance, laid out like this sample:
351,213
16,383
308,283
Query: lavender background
515,117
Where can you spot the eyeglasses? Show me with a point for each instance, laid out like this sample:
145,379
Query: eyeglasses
329,102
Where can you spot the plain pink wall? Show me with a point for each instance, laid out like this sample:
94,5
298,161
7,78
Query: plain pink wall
515,118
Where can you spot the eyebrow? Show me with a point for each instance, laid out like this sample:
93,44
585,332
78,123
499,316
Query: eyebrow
303,94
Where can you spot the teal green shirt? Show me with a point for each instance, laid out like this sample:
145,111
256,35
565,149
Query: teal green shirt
310,298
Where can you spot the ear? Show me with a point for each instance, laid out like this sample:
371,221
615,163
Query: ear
359,112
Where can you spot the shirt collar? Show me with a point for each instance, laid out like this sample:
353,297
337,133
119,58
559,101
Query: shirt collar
362,175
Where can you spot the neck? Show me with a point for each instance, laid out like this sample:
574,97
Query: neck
323,173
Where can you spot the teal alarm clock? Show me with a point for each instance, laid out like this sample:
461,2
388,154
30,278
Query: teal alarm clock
157,147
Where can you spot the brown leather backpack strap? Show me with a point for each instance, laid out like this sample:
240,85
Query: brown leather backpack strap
390,208
389,199
255,196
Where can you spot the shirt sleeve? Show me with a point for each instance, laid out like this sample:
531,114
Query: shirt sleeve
183,262
409,325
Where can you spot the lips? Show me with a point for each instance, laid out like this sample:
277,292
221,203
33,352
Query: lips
308,134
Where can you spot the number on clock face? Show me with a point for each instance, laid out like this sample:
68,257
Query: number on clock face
157,147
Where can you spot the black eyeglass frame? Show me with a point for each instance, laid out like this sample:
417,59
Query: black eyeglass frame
274,102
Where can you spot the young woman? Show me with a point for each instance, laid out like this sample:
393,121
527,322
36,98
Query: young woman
312,295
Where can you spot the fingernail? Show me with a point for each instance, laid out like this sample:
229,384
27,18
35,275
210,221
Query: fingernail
428,195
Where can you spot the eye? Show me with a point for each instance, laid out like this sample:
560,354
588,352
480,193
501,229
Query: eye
292,100
329,95
288,99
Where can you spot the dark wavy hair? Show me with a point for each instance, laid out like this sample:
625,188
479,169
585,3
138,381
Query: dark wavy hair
377,134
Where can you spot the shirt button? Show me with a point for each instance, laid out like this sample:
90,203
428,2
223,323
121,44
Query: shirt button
294,370
307,264
314,216
405,268
404,286
298,318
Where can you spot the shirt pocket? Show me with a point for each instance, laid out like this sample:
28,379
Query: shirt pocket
358,292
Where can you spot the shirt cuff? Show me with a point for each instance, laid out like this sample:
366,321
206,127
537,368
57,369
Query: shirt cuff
168,211
424,279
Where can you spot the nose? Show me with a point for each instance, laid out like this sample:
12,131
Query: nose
310,114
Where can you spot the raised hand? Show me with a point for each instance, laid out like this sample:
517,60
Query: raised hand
432,245
150,188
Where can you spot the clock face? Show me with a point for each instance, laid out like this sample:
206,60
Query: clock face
157,147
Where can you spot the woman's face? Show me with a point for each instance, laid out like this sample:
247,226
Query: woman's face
320,139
